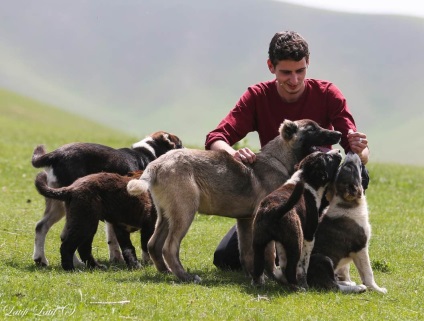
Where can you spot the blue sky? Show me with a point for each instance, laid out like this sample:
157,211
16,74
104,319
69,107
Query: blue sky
402,7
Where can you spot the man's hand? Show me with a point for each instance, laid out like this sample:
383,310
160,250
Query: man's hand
245,155
358,143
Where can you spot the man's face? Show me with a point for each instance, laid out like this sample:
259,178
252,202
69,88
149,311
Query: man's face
290,75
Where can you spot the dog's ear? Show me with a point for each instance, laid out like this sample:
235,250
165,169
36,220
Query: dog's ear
288,128
165,137
173,141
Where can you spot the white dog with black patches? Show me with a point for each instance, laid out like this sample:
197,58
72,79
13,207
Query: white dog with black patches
343,235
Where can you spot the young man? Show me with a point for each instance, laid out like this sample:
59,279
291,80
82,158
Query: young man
264,106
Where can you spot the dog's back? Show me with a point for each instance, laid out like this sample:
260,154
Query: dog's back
71,161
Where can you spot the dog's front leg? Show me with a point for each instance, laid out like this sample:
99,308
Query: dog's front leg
245,238
115,255
127,247
363,264
303,264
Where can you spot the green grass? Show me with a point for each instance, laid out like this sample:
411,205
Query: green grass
26,291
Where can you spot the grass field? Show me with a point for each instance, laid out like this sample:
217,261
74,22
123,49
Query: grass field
395,198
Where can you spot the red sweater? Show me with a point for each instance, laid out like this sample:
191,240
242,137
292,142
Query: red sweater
261,109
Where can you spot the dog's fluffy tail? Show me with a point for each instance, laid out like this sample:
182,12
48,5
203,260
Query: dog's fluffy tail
139,186
61,194
38,157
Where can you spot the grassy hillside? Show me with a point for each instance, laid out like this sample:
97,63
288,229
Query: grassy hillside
181,65
397,211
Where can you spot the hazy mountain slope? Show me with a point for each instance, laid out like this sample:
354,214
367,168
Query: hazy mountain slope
181,65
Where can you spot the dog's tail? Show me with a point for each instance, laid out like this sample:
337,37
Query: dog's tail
292,200
39,158
61,194
139,186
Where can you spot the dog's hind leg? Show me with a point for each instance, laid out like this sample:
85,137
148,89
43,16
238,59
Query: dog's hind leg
53,212
280,272
85,247
302,267
146,232
69,245
115,255
343,275
259,246
178,228
156,243
127,248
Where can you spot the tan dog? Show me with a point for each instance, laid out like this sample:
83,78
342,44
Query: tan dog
212,182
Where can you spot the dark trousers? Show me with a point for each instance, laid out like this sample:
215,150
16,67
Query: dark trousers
227,254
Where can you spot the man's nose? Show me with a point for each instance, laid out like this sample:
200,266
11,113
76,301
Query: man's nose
294,78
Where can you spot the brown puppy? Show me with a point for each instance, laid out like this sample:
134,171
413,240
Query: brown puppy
343,235
72,161
289,217
101,196
212,182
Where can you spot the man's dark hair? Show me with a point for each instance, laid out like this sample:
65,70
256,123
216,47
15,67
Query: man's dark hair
287,45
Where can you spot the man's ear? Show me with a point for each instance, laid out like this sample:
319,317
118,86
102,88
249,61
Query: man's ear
270,66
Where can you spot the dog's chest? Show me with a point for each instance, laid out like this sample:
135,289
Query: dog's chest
339,237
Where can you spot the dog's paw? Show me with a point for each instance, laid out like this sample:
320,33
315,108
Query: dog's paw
352,288
197,279
258,282
279,276
145,258
77,262
101,267
135,265
116,259
378,289
42,262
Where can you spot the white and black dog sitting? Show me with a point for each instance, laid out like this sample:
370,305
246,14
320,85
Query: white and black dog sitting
101,196
343,234
72,161
289,217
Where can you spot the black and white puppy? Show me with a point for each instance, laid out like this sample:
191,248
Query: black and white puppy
289,217
101,196
343,234
72,161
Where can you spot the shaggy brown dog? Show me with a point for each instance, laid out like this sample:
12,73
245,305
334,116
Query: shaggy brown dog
289,216
212,182
69,162
101,196
343,235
